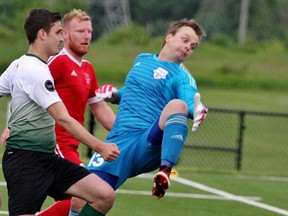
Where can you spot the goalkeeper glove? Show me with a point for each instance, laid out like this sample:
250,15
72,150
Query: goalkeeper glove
107,93
200,112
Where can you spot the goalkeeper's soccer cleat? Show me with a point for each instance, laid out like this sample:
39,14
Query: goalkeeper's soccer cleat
161,182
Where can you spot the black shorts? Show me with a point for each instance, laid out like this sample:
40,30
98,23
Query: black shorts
31,176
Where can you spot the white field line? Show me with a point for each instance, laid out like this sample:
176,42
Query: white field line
182,195
172,194
3,212
3,184
264,178
225,194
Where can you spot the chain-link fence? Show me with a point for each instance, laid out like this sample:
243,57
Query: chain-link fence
244,141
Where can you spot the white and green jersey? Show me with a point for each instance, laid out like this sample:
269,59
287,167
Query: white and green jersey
6,79
32,91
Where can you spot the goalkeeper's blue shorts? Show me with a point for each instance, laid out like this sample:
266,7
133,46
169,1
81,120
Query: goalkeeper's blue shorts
140,152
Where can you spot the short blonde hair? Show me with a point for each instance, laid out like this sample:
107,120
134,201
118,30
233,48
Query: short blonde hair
176,25
75,14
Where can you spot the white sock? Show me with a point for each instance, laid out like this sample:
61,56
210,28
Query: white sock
73,213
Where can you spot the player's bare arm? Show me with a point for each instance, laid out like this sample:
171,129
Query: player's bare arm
4,136
59,112
104,114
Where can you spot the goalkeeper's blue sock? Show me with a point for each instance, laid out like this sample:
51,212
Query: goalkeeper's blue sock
87,210
175,133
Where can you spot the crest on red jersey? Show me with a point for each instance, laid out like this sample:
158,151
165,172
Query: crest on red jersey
87,77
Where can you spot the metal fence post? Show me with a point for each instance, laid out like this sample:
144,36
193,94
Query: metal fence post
91,130
240,139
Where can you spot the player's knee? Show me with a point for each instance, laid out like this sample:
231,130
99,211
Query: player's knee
107,199
77,204
177,106
109,195
103,200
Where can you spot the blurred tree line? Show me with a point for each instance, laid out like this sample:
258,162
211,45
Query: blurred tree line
267,19
13,13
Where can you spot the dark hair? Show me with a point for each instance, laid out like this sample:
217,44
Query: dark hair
39,19
176,25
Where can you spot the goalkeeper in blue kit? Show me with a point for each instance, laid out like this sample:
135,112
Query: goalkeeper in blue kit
158,97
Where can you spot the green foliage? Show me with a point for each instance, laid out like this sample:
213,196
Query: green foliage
5,32
252,46
219,16
221,40
273,46
156,15
249,47
64,6
133,34
11,50
13,13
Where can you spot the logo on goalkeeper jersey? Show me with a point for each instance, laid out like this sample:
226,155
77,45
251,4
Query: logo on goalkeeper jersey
160,73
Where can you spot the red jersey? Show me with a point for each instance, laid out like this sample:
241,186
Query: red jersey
76,84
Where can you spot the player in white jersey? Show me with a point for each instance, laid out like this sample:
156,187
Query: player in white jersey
31,168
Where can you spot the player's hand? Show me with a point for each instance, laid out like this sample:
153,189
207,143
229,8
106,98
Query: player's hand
4,136
200,112
107,93
109,152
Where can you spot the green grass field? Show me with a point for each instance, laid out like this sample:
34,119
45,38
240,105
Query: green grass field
199,192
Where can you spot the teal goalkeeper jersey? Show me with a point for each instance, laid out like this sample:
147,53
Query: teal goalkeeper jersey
149,86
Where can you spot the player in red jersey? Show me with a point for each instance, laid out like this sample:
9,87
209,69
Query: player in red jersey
76,83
